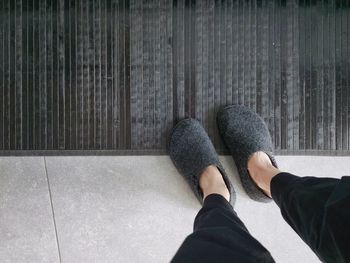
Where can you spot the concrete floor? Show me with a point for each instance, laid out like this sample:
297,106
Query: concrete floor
126,209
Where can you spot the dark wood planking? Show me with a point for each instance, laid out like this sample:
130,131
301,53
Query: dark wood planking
101,96
12,76
67,80
30,75
271,70
24,71
211,68
235,50
61,77
93,8
192,48
55,82
344,73
187,57
115,71
259,31
146,90
127,123
180,72
204,67
284,71
198,52
246,53
174,59
288,96
296,76
151,75
106,130
159,107
346,138
263,68
253,53
348,73
324,75
228,65
109,74
124,71
240,52
73,74
168,87
315,23
278,73
216,82
2,73
18,75
85,75
161,99
307,75
169,72
332,86
79,76
338,76
302,77
136,22
320,83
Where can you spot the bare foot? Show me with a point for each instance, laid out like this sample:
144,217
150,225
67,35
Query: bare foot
262,171
211,182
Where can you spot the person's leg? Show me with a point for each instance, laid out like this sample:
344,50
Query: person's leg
316,208
219,235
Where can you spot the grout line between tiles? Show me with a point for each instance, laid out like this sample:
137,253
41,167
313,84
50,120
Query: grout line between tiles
53,212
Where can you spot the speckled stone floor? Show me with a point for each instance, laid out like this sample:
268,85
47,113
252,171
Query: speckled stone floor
126,209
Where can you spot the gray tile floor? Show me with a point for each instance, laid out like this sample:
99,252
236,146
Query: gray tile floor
125,209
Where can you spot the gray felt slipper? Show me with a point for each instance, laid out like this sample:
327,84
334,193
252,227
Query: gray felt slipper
191,150
244,132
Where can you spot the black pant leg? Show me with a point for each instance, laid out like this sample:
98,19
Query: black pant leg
318,209
220,236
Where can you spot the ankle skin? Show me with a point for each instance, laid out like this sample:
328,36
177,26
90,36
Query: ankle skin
262,171
211,182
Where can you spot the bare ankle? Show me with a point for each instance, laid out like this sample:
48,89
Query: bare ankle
262,171
211,182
